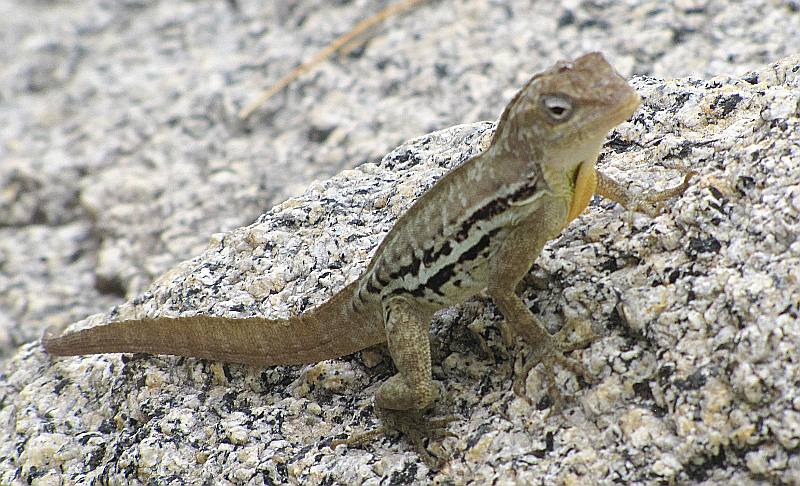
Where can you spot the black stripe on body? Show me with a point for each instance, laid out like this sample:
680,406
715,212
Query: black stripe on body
445,274
377,276
495,207
410,269
371,288
430,256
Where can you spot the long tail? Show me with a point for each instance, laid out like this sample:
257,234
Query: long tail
333,329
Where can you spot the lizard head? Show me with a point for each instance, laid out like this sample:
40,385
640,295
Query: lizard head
567,109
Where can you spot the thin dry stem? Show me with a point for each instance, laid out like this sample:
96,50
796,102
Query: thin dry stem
325,53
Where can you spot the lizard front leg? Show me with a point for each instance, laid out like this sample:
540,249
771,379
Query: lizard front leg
510,264
649,203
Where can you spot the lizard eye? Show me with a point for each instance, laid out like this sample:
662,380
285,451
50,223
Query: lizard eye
558,107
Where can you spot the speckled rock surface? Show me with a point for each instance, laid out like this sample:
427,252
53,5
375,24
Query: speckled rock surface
120,150
696,313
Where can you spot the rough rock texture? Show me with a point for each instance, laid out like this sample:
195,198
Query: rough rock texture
120,150
696,313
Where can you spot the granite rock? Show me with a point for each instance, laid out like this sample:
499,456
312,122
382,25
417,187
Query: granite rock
695,312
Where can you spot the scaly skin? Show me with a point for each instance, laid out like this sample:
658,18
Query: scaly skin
480,227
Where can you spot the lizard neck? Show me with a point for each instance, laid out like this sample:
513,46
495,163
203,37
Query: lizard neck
571,184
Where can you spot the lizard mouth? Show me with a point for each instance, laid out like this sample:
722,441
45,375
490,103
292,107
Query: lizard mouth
615,112
625,109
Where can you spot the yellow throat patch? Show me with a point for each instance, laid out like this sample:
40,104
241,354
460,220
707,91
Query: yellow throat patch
585,185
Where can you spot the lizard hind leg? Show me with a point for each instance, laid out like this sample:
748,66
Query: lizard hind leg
402,400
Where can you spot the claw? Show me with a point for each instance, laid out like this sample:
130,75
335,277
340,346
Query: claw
654,204
360,438
549,355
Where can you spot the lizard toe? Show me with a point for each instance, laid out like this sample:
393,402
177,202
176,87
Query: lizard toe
413,424
550,355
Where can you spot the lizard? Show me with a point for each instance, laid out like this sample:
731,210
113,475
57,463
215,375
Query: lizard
477,229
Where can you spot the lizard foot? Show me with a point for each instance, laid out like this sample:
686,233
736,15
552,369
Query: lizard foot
551,353
654,203
411,423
